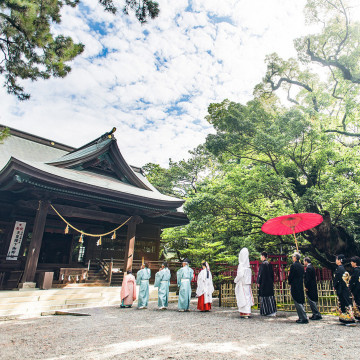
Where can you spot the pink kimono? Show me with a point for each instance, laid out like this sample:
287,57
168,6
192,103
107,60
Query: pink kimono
128,290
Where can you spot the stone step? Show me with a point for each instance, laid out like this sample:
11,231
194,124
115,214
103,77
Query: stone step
95,279
74,289
96,272
69,299
34,302
50,309
87,285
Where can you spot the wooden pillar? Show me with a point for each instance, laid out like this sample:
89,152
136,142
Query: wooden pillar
130,242
157,245
35,245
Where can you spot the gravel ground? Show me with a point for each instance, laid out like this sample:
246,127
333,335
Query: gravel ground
114,333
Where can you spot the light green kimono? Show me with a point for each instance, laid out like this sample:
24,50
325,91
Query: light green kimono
184,277
162,281
142,279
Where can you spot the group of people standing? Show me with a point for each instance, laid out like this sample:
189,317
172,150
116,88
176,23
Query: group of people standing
348,289
302,281
184,276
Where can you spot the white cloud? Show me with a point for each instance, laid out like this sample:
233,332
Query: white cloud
214,52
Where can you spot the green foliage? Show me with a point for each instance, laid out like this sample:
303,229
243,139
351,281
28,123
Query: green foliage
196,243
30,50
331,97
4,133
181,178
143,9
285,164
160,177
275,160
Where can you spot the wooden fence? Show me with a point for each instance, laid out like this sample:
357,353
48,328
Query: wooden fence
327,297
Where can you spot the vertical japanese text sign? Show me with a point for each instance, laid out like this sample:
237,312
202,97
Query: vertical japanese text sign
16,240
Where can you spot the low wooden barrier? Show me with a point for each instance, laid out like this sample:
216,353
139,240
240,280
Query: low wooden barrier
327,297
72,275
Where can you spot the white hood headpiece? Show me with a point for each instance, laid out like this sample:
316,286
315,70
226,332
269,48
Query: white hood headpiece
244,261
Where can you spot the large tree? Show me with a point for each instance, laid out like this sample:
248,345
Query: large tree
281,161
30,50
324,79
274,161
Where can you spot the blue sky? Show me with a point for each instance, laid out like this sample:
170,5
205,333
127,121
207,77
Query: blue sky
155,82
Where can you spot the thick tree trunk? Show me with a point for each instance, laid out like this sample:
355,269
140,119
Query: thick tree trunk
328,240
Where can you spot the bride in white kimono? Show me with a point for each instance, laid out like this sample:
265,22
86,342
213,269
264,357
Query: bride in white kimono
244,297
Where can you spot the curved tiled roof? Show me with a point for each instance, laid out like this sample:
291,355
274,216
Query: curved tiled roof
44,161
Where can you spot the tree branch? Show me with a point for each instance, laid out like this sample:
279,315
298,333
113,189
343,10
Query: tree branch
291,99
328,63
342,133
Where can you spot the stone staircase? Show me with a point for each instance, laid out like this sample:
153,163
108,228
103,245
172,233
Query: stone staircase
96,277
117,278
32,303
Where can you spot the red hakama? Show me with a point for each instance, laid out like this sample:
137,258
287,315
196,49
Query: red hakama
201,306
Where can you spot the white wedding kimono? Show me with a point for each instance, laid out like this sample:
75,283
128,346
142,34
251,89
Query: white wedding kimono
205,286
243,291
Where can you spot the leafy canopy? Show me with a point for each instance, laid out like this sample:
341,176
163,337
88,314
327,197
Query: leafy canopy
274,160
324,80
30,50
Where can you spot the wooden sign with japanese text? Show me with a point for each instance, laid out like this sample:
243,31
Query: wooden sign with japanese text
16,240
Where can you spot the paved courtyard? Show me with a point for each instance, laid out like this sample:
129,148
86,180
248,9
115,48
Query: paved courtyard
114,333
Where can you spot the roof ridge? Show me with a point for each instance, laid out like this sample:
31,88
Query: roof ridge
37,139
107,135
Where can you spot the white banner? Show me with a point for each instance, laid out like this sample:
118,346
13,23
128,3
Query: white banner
16,240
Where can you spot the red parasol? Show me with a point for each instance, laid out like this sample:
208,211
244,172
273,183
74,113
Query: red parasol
291,224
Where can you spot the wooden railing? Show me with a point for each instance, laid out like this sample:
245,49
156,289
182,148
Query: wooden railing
107,268
74,275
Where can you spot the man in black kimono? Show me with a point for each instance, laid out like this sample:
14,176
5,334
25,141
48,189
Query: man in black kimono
354,284
343,292
311,289
265,281
296,281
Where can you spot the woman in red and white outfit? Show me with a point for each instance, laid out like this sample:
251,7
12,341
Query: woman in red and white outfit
205,288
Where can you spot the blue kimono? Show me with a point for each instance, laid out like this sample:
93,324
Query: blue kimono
162,281
184,277
142,279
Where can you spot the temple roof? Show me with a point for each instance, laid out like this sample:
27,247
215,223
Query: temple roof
97,168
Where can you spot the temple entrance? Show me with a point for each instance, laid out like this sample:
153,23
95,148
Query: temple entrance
55,249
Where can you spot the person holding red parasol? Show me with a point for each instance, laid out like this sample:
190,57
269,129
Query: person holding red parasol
296,281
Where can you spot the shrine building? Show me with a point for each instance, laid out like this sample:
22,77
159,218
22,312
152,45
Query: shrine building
69,211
